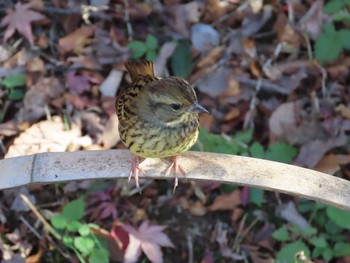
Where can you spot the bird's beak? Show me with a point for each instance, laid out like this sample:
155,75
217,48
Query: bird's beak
198,108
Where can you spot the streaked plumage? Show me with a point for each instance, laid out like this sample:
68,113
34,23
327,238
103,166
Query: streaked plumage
158,118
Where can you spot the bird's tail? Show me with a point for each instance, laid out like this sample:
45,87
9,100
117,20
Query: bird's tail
141,67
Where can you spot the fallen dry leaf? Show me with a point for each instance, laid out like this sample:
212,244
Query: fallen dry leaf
208,257
178,15
232,114
328,164
38,97
216,9
284,115
22,245
204,37
107,50
193,11
312,21
290,213
20,19
48,136
110,85
36,65
110,136
114,247
225,249
147,238
237,214
18,204
164,54
213,56
253,22
79,83
343,110
9,128
76,41
226,202
312,152
79,101
4,54
92,123
215,84
195,208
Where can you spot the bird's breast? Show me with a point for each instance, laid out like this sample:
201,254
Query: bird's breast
154,141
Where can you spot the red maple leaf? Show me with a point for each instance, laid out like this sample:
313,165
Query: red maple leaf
148,239
20,19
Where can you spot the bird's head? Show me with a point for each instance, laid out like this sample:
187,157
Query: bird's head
169,102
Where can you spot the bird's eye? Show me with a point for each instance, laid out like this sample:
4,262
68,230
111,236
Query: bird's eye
175,106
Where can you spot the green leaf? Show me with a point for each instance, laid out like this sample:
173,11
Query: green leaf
74,210
257,150
295,229
213,143
343,16
245,136
280,152
151,42
336,237
99,255
137,48
256,196
73,226
341,249
58,221
328,47
306,207
320,242
339,217
317,252
327,254
287,253
151,55
16,94
345,38
84,244
334,6
332,228
68,241
14,81
321,218
84,230
228,188
281,234
310,231
329,28
181,59
94,226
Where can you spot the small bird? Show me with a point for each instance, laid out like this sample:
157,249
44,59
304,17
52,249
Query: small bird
158,117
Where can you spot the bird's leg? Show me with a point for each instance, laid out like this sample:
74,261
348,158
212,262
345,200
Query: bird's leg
135,170
176,167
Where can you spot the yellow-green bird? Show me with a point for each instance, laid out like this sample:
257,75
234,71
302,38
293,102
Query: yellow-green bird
158,118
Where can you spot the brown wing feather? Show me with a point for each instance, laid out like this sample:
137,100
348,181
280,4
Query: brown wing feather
139,68
126,95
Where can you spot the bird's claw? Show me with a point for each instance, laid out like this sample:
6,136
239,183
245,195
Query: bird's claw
176,167
135,171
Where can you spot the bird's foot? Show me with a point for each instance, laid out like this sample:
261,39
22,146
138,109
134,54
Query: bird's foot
135,170
175,167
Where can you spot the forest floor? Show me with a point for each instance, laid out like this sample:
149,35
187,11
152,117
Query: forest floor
274,76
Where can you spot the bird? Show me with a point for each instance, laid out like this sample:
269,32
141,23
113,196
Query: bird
158,118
